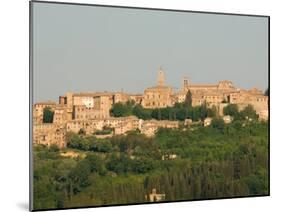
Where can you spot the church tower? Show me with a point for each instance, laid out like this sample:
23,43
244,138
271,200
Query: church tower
160,77
185,82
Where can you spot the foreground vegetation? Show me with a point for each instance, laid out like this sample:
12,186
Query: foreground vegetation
180,111
217,161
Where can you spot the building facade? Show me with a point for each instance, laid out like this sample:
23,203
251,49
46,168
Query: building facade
90,112
159,96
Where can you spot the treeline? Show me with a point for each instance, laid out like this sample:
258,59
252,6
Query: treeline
211,162
180,111
247,113
90,143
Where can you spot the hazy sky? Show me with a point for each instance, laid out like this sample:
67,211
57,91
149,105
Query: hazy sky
84,49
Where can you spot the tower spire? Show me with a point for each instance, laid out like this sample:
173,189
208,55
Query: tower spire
160,77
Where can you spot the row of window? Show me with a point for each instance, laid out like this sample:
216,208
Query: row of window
84,109
89,116
261,99
155,104
154,96
213,97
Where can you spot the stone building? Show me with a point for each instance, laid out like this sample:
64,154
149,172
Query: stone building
207,121
87,105
113,122
252,97
82,112
121,125
222,94
121,97
88,126
91,111
210,94
154,196
224,86
210,98
263,115
150,127
227,119
137,98
49,134
159,96
60,114
38,109
125,127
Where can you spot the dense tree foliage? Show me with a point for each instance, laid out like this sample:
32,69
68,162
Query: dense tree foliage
247,113
120,110
188,99
218,123
90,143
180,111
232,110
216,161
48,115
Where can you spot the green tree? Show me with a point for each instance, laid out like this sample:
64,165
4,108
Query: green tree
73,140
119,110
203,111
212,112
96,164
48,115
142,166
156,114
194,113
54,148
181,113
249,113
232,110
82,131
188,99
217,123
141,113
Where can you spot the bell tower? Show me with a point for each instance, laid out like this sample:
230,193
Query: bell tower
185,83
160,77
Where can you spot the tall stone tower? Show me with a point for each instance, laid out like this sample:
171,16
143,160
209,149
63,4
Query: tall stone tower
69,99
160,77
185,82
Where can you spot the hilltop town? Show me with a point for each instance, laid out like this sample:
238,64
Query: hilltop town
90,113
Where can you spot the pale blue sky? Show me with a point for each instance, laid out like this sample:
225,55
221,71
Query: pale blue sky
85,48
